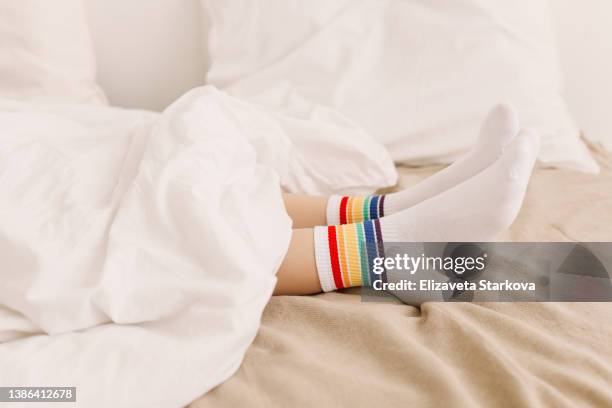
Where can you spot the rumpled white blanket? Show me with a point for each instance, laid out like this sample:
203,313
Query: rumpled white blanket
138,250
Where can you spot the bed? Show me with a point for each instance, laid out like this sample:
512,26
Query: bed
333,350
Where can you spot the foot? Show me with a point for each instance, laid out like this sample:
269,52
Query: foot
498,130
476,210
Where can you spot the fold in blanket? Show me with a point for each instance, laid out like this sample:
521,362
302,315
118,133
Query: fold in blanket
139,250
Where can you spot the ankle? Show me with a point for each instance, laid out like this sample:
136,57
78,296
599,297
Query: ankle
348,210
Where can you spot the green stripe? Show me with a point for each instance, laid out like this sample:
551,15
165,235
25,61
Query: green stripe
366,208
363,256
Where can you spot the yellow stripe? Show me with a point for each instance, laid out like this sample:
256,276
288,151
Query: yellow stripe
358,209
349,211
342,253
346,233
354,260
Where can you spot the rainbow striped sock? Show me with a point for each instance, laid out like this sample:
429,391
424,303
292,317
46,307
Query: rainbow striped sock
347,210
345,254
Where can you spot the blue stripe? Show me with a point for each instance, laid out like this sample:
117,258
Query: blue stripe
370,241
374,208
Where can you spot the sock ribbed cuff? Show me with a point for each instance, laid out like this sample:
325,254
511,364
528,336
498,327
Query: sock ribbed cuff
324,268
348,210
333,210
345,254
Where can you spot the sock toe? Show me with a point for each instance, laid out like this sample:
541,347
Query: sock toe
513,173
499,128
522,153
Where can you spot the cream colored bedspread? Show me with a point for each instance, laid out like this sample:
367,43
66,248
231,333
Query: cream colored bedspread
332,350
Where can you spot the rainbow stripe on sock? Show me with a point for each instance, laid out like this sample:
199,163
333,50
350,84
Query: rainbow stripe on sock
350,253
358,209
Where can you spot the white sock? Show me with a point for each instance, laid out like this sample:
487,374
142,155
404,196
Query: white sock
476,210
497,131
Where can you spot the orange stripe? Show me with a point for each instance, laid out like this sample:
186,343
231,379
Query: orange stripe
349,211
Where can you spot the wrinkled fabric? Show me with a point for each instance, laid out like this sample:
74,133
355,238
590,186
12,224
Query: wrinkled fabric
363,354
419,76
139,250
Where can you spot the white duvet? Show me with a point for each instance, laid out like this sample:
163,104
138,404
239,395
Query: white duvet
138,250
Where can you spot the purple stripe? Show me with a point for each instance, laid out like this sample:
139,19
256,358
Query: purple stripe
380,245
381,204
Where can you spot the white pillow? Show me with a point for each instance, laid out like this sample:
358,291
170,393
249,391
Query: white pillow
586,57
46,53
418,75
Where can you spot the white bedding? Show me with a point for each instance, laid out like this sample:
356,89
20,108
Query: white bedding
139,250
46,53
418,76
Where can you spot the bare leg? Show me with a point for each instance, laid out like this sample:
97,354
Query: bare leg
306,211
298,272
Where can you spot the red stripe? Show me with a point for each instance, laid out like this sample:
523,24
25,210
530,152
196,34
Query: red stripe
333,256
343,204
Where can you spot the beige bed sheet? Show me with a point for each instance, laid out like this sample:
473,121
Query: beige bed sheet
332,350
